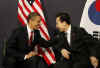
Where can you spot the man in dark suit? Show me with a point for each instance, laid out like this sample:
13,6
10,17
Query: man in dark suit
22,42
74,45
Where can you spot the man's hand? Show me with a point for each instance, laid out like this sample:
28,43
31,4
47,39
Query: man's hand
94,61
65,53
29,55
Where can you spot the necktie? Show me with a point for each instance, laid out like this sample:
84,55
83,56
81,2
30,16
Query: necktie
31,37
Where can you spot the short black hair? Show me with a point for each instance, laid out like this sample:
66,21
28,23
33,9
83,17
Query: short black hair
32,15
64,17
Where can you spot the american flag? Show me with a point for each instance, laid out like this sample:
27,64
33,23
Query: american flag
25,7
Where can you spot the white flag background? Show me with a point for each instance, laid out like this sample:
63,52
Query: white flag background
91,17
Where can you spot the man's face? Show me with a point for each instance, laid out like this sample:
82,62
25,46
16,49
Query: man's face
35,23
61,26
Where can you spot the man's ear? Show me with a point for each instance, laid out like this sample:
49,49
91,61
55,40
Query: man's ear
64,23
30,21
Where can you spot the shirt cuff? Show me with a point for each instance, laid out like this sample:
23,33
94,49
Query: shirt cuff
25,57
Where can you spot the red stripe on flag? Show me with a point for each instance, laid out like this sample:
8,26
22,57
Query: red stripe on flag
98,5
51,54
21,20
26,6
39,4
21,9
45,57
44,22
46,36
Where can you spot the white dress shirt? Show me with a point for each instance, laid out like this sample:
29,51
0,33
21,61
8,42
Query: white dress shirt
29,32
69,35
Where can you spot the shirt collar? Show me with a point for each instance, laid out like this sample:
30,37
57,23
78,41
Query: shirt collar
69,30
28,29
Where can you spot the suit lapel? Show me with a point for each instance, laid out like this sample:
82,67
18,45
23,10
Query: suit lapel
35,35
25,33
73,36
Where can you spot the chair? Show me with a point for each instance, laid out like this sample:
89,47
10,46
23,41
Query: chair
7,62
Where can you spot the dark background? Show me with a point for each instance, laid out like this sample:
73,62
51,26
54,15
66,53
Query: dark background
8,16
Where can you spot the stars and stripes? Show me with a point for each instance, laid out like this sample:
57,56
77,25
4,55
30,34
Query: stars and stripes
25,7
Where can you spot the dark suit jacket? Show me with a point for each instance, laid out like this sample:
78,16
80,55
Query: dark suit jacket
81,45
18,45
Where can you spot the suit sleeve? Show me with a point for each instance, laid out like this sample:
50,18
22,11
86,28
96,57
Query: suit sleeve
12,46
42,42
90,42
57,41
